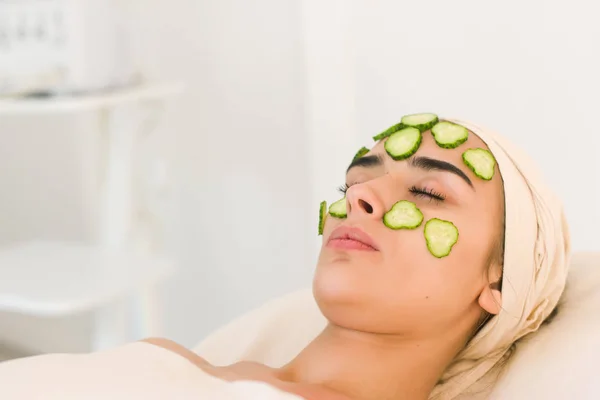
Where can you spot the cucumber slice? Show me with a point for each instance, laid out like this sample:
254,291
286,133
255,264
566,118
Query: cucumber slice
440,236
422,122
322,215
363,150
481,162
448,135
389,131
338,209
403,215
404,143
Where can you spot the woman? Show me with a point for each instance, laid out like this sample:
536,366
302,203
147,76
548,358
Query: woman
406,320
400,319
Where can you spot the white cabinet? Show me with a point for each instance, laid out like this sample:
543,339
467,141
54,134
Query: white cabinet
113,279
64,46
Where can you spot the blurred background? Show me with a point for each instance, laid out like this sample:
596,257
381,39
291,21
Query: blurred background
161,162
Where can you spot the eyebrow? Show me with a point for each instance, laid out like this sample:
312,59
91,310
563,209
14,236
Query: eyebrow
432,164
366,161
424,163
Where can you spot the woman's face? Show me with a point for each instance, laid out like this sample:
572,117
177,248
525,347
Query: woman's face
396,285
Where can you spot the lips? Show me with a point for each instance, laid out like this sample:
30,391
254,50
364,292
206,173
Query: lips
351,238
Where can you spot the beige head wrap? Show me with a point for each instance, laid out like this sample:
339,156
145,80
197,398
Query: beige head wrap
536,259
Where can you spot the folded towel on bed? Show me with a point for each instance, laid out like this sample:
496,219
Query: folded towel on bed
134,371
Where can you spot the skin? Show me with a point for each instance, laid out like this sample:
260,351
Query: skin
397,315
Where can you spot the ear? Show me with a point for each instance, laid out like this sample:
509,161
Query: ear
490,298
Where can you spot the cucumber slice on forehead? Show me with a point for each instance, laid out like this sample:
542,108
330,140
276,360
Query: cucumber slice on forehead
388,131
448,135
404,143
481,162
403,215
440,236
338,209
363,150
322,215
422,122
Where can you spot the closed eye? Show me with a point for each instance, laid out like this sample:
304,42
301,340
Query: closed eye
416,191
427,193
343,189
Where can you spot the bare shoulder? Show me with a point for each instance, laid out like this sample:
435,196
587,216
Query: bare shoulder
179,350
248,370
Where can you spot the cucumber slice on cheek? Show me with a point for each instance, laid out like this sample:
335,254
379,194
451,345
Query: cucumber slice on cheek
322,215
448,135
404,143
403,215
481,162
440,236
338,209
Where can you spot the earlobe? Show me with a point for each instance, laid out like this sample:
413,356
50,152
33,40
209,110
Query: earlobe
490,299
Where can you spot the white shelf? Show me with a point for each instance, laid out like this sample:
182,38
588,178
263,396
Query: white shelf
69,104
55,279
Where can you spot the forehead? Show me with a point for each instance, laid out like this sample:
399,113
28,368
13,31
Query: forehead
430,148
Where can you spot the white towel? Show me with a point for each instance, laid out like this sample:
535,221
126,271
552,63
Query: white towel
134,371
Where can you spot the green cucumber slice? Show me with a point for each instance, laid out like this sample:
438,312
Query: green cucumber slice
448,135
388,131
338,209
481,162
322,215
440,236
404,143
363,150
403,215
422,122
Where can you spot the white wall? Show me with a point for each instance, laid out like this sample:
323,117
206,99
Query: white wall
243,227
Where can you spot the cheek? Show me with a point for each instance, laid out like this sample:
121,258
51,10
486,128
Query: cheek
456,281
414,276
412,272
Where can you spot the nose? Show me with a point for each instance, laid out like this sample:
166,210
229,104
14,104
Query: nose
362,199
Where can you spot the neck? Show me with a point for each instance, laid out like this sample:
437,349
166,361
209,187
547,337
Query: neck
369,366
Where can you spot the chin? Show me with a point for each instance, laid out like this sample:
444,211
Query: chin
339,294
337,279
